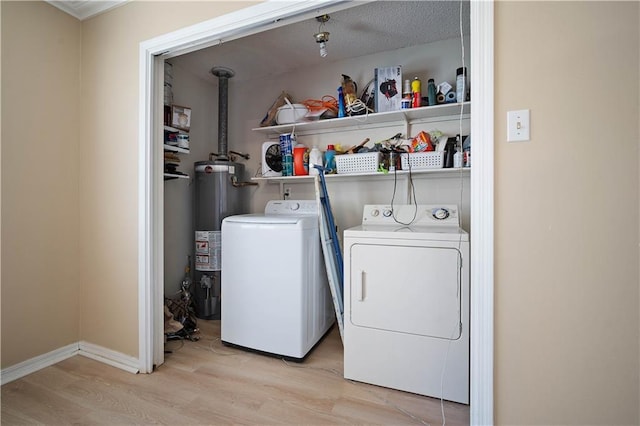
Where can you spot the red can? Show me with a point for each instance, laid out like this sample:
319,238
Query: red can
416,102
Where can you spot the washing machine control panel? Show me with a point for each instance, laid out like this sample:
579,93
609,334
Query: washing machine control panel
292,207
422,215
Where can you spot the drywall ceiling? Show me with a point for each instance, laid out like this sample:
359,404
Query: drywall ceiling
361,30
83,9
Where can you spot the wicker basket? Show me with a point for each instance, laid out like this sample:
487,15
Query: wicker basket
422,160
357,163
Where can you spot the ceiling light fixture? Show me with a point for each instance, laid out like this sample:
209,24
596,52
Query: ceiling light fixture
322,37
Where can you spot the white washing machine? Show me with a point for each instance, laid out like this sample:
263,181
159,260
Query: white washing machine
275,294
406,300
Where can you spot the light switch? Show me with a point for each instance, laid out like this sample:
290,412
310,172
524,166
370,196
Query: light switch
518,125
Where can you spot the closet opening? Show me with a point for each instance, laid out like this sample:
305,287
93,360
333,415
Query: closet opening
154,190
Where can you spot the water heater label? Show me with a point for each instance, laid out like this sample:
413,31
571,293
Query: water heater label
208,250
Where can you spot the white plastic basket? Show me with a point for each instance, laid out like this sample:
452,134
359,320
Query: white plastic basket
422,160
357,163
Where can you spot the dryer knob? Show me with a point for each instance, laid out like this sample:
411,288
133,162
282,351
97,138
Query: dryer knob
440,213
375,212
294,206
387,212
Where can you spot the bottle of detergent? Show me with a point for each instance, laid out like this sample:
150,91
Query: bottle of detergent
315,157
300,160
330,159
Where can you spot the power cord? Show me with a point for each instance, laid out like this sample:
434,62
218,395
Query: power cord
413,194
364,386
458,325
210,348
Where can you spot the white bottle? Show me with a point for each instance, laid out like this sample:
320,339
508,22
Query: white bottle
457,159
315,157
461,84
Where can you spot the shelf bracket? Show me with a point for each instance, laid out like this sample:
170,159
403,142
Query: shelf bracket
406,125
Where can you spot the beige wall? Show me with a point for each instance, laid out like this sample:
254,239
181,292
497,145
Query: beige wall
109,161
40,256
566,241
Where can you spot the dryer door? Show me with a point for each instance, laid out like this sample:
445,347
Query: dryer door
406,289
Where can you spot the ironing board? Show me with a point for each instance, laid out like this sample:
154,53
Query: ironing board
330,248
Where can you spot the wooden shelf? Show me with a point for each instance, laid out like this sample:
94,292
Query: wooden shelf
413,115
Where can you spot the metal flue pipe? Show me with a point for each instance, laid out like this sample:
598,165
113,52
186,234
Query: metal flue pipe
223,74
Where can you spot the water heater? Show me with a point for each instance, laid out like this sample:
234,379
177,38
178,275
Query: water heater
218,193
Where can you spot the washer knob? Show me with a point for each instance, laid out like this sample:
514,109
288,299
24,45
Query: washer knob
294,206
440,213
387,212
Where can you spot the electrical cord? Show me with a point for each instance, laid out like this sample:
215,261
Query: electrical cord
212,349
458,325
357,107
413,194
327,102
364,385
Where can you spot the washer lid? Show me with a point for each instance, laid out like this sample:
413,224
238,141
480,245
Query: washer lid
438,233
259,218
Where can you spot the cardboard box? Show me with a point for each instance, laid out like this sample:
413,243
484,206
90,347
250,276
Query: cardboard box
388,88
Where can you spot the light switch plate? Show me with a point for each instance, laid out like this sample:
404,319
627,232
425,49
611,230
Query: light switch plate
518,126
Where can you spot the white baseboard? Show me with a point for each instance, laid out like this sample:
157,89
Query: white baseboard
107,356
98,353
39,362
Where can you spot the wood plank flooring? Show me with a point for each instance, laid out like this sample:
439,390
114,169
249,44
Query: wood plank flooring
206,382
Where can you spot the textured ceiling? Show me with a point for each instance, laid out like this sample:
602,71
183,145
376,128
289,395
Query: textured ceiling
83,9
365,29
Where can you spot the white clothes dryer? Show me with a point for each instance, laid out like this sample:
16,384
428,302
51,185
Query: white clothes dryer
275,297
406,300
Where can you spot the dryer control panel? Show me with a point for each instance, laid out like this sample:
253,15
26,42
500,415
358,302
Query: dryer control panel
411,214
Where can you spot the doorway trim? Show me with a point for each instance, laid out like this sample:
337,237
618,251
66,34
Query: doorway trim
150,181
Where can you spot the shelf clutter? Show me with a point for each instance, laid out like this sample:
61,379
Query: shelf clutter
427,151
177,122
176,141
412,115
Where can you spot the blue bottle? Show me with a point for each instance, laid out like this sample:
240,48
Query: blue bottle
330,159
341,110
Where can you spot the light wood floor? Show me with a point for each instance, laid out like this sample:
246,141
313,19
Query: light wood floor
206,382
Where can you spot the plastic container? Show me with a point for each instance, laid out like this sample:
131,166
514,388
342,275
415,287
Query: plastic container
366,162
315,158
293,113
183,140
461,84
431,92
422,160
457,159
466,152
330,159
300,160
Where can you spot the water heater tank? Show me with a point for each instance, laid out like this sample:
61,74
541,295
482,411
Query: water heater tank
217,195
